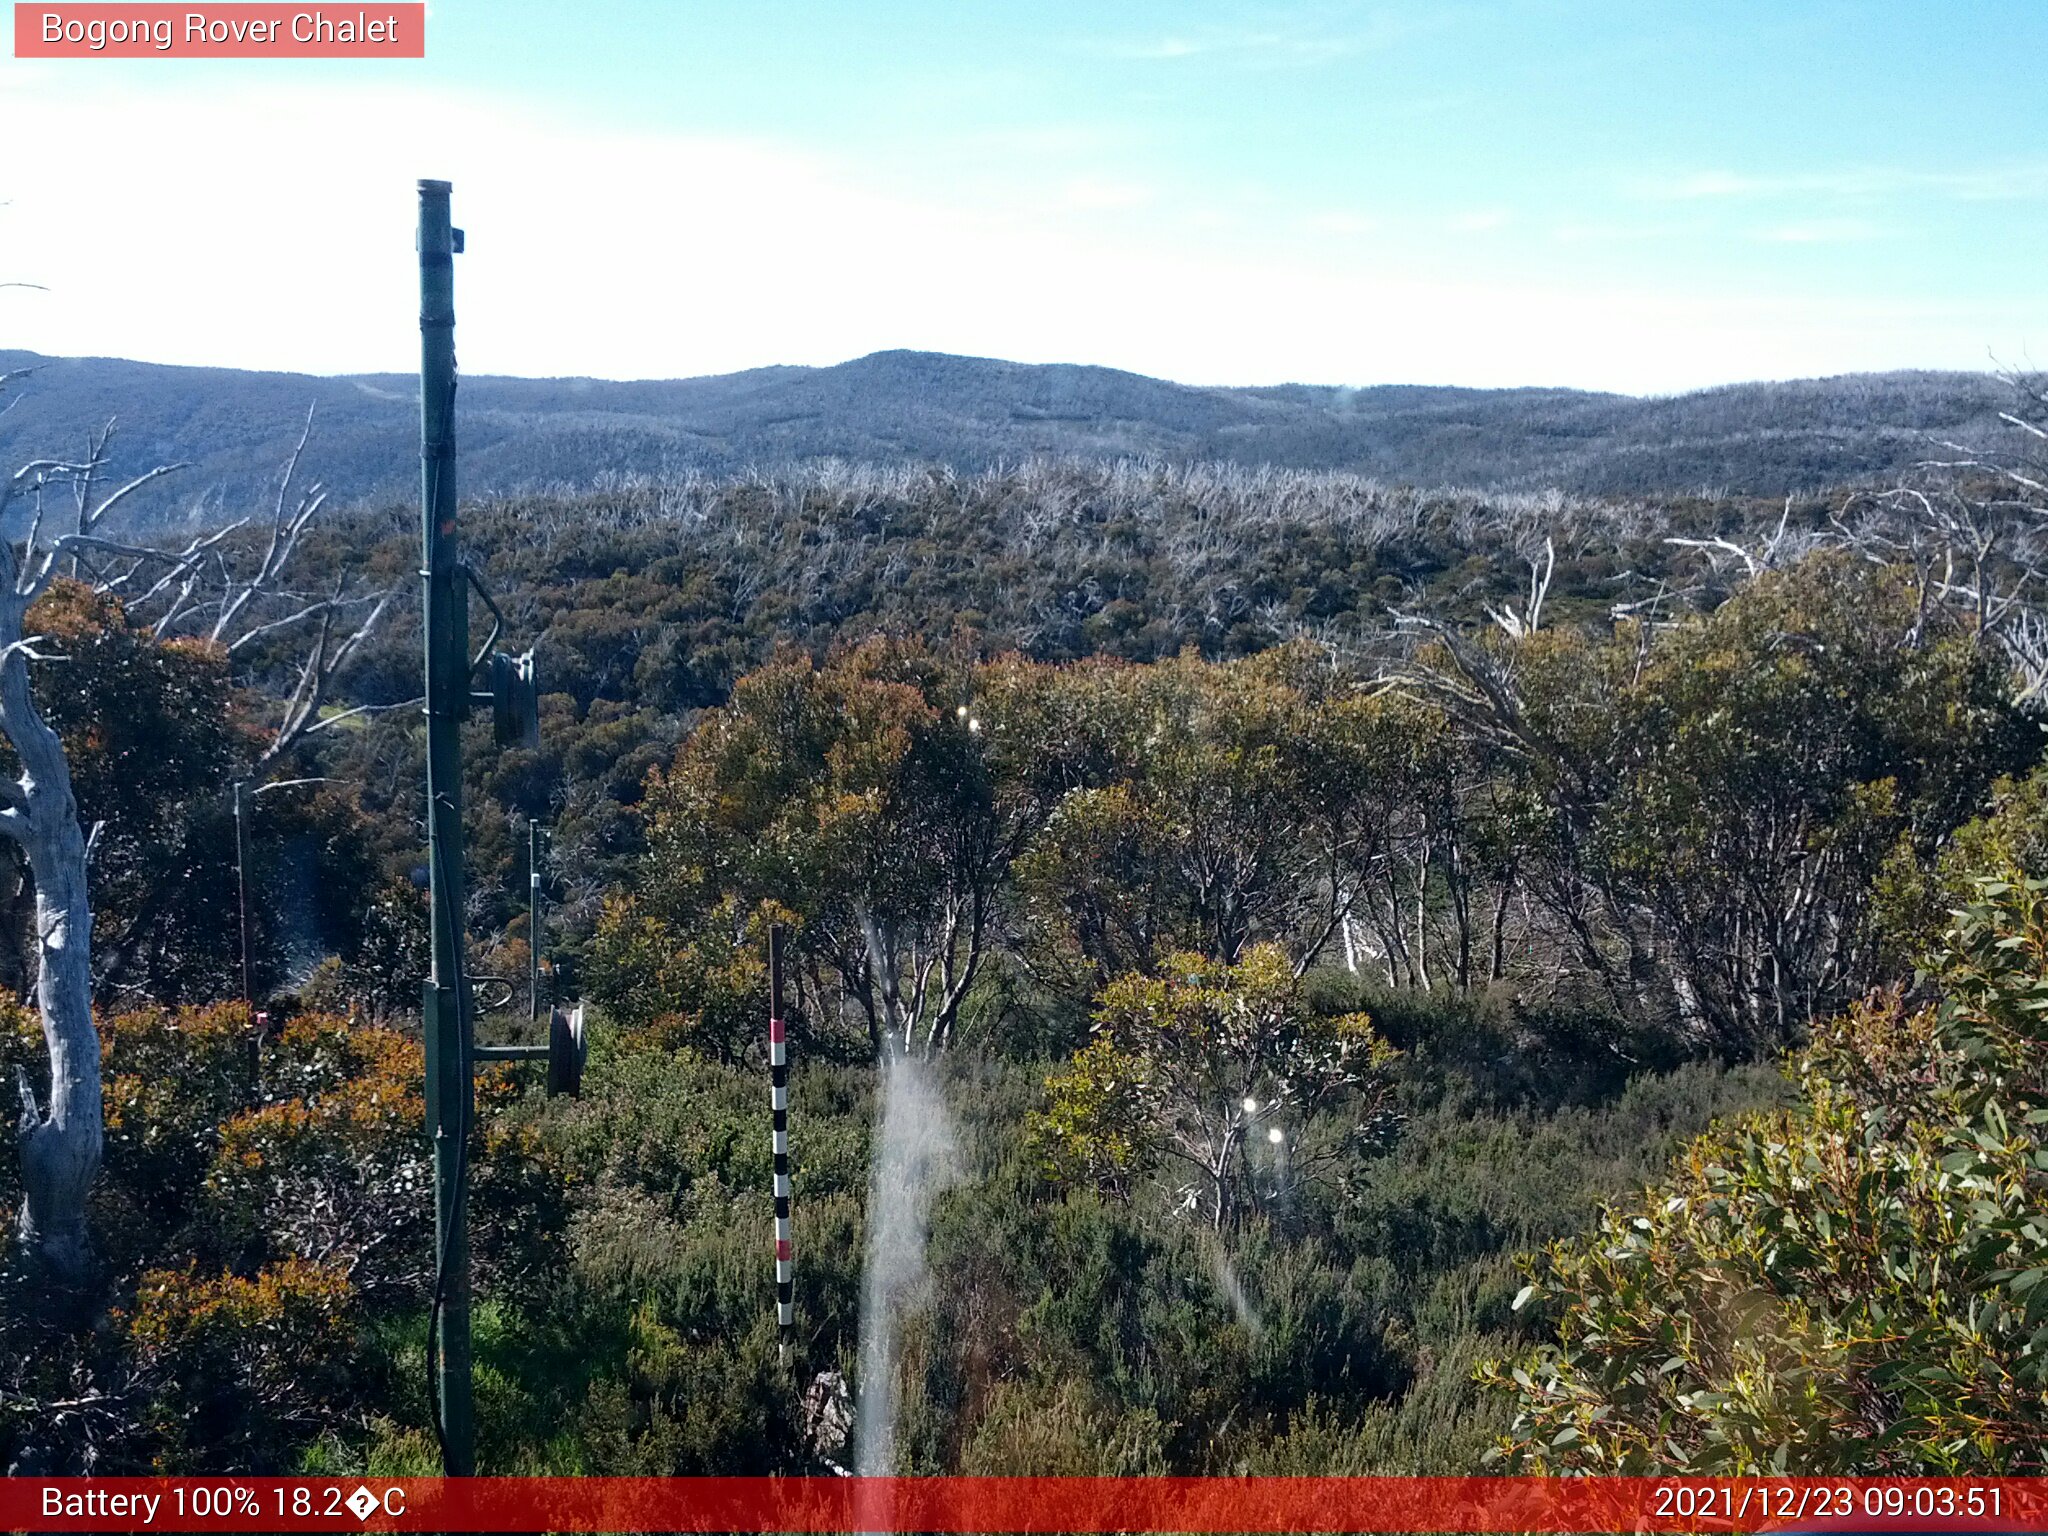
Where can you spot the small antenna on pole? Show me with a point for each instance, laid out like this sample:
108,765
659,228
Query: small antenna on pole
778,1098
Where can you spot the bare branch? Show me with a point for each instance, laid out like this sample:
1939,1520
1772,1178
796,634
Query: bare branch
26,648
292,465
323,663
130,488
311,610
361,709
184,567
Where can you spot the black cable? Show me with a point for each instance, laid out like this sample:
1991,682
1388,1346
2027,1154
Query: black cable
457,1211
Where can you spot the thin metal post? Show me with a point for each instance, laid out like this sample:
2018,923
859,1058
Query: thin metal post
533,920
446,999
252,1040
242,905
778,1097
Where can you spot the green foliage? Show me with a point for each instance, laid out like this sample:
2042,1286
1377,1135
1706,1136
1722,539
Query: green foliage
392,954
1916,895
1851,1286
652,1342
238,1364
858,800
701,986
275,1246
263,1210
1196,1063
147,732
331,1163
154,734
1680,828
1726,794
1198,806
1095,1128
1569,860
1060,1428
1094,783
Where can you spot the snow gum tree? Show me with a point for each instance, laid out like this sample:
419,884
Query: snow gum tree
218,591
60,1137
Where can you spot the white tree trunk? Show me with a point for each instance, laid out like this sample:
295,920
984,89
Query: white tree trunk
61,1139
60,1151
60,1143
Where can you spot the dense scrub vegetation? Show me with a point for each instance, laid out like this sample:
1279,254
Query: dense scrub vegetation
1683,829
1487,851
269,1245
1852,1285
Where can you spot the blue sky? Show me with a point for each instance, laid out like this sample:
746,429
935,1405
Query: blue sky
1625,194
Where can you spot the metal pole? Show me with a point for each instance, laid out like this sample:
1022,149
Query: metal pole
253,1039
533,920
778,1098
445,1002
242,905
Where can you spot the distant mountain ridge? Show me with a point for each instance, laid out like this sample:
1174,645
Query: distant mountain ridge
235,427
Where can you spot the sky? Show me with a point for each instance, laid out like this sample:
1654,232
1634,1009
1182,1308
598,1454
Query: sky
1637,195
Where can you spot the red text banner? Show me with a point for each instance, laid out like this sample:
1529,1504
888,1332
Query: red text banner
1033,1504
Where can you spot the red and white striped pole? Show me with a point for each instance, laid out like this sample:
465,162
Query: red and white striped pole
778,1079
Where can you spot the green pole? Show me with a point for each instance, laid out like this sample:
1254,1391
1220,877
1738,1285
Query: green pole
533,920
446,1001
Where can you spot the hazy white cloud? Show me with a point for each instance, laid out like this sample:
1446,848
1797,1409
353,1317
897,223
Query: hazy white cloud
1285,43
2026,179
273,229
1255,47
1105,192
1819,232
1616,232
1338,222
1164,48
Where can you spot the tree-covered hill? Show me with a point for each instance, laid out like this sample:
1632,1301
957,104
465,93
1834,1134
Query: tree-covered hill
234,427
1298,895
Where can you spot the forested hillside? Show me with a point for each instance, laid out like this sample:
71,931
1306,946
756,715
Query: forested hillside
1283,901
897,408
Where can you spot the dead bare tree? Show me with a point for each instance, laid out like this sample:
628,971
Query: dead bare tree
1973,532
1773,550
60,1140
242,596
204,582
1529,618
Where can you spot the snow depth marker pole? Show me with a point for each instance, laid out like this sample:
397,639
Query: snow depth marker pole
778,1097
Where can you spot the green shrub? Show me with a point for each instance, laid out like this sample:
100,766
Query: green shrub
1850,1285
